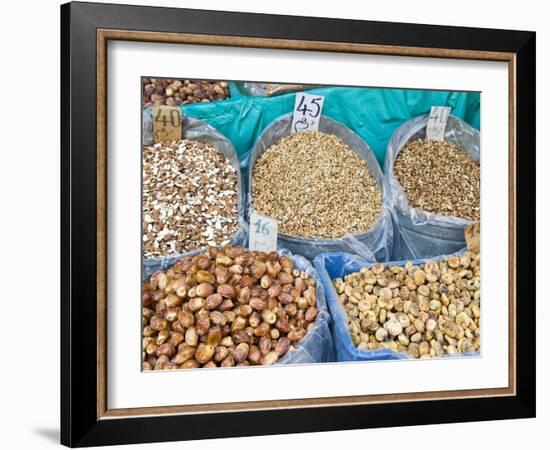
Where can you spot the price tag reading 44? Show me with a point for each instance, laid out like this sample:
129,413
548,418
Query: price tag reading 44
263,233
307,112
437,122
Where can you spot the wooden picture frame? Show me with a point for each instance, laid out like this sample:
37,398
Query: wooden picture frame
85,30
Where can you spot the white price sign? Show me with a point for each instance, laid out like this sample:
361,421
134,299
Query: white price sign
307,112
437,122
263,233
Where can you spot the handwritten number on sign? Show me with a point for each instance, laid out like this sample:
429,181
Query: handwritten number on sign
437,122
303,106
174,117
307,112
263,233
166,123
261,227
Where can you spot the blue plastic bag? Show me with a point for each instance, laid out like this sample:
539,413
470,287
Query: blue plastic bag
337,265
373,113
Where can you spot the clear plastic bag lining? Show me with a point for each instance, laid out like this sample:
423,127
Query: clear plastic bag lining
198,130
423,234
375,244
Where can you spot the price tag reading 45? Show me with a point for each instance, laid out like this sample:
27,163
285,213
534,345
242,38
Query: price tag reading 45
307,112
263,233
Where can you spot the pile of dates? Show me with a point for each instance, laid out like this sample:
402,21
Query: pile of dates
225,307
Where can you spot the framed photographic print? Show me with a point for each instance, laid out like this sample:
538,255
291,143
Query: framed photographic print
272,224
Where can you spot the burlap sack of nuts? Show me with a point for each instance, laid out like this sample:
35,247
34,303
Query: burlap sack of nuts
374,244
443,184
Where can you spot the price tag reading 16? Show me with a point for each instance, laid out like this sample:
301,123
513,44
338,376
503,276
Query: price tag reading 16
307,112
263,233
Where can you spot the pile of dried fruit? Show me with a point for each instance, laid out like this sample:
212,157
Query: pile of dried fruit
427,310
439,177
316,187
158,91
190,194
225,308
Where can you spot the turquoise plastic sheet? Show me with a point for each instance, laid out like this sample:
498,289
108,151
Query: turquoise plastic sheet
373,113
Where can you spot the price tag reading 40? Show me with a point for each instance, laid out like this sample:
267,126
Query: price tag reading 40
166,123
307,112
263,233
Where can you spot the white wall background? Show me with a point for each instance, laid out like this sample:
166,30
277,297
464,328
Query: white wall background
29,224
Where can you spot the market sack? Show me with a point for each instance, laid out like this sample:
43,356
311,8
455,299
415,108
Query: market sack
338,265
423,234
194,129
375,243
317,345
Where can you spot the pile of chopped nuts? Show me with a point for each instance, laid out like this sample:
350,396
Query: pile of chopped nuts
439,177
225,308
316,187
160,91
190,194
427,311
